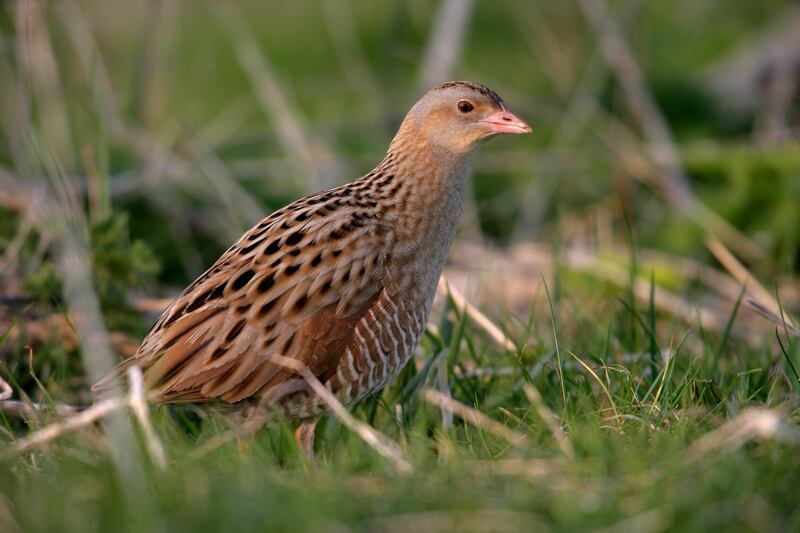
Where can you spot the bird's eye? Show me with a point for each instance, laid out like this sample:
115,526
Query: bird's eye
464,106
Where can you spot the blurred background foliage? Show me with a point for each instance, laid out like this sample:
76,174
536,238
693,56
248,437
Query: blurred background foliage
138,140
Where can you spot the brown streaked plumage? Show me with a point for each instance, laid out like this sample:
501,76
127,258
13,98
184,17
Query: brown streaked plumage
341,280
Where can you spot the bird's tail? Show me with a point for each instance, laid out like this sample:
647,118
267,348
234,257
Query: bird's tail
112,384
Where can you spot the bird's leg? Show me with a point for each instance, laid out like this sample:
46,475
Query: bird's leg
305,436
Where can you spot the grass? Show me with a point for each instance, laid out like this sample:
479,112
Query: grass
634,388
651,448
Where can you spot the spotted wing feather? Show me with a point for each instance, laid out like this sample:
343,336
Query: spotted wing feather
294,285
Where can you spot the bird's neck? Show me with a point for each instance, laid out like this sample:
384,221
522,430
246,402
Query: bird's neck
423,202
431,183
431,172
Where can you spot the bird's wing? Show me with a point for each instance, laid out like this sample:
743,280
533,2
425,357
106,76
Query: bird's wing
295,285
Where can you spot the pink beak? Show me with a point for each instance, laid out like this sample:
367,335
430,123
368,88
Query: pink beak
506,122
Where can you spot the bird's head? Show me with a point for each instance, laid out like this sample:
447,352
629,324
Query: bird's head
457,116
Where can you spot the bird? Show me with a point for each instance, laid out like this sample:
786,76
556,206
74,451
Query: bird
340,282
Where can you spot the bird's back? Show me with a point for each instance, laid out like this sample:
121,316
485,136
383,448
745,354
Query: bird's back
339,281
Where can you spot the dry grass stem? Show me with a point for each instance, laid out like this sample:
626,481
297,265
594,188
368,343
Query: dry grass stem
379,442
602,386
479,318
741,274
776,319
80,35
274,101
661,146
56,430
355,65
445,42
221,439
516,268
662,299
550,419
24,409
690,269
443,384
752,423
46,156
135,400
474,417
42,85
617,54
138,404
158,160
9,259
5,390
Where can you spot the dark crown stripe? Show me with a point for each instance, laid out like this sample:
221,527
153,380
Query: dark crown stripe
471,85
